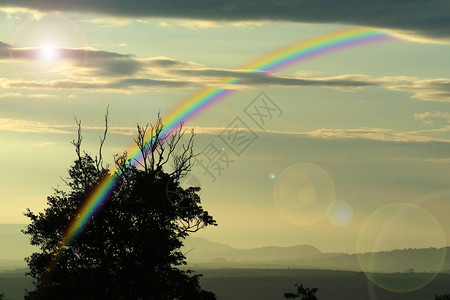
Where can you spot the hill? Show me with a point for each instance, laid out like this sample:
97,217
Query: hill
199,250
14,247
206,254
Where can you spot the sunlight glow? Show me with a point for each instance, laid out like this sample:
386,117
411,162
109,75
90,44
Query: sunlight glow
49,53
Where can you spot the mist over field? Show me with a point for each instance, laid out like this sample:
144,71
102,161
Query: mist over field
268,272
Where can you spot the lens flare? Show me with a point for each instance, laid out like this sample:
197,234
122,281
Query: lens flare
302,193
401,226
438,203
339,213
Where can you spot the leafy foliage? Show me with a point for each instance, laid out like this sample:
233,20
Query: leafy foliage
303,293
131,248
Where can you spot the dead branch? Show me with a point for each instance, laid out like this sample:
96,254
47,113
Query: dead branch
99,160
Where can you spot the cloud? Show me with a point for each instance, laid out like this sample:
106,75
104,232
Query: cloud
4,50
109,21
133,84
267,79
430,117
379,134
162,61
14,12
206,24
365,133
439,120
122,85
26,126
101,67
429,90
439,160
444,130
15,125
430,18
108,70
83,62
96,61
21,95
77,55
11,95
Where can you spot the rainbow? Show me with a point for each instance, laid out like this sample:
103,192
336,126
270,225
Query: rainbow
197,103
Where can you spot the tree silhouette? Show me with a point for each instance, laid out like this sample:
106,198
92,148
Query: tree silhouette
131,248
442,297
302,293
2,296
290,295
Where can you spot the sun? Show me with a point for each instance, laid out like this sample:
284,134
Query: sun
49,53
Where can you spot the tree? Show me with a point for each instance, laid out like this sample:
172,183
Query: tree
442,297
290,295
131,248
2,296
302,293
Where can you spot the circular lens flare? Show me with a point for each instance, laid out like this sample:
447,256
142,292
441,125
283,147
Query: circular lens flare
401,226
339,213
302,193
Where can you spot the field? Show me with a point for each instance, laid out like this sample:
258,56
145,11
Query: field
264,284
258,284
14,285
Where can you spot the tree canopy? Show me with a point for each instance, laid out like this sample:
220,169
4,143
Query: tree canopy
131,248
303,293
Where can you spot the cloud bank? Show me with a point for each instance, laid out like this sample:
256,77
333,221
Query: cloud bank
363,133
97,70
431,89
430,18
92,69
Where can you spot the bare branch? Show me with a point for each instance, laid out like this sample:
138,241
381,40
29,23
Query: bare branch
183,162
189,251
188,227
143,147
65,181
77,143
158,150
99,161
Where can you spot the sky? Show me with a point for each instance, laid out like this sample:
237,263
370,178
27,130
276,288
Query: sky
353,154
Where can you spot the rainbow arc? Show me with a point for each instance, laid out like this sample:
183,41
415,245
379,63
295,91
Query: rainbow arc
200,101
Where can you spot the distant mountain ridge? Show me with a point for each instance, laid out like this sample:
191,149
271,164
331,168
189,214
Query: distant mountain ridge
202,250
203,253
15,246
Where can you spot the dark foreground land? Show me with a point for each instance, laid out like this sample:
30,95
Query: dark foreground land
13,284
263,284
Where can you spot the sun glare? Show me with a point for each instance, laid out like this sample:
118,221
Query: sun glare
48,53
